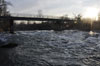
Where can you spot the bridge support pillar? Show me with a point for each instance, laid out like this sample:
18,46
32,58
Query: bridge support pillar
11,26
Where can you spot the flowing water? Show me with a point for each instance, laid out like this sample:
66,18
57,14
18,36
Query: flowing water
51,48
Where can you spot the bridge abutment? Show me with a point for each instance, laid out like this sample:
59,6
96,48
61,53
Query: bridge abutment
11,26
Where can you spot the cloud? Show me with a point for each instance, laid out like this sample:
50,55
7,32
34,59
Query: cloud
52,7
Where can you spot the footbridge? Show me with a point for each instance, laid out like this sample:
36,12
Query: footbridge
28,17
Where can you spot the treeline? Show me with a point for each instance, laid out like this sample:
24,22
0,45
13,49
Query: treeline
44,26
54,26
76,24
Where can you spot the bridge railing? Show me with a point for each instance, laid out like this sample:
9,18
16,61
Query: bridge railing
35,16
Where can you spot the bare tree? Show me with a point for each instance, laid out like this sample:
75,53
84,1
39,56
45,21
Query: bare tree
99,16
40,14
65,17
3,8
4,12
77,17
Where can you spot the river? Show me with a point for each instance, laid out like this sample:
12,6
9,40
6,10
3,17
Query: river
51,48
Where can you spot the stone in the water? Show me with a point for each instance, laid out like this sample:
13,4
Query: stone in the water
2,43
10,45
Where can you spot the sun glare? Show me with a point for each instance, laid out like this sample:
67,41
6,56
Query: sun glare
91,13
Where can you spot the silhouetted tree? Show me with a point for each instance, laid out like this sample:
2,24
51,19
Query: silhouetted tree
4,12
40,14
99,17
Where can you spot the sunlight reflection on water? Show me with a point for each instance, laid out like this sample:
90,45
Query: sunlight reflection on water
91,33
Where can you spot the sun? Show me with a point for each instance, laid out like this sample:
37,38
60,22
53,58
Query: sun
91,13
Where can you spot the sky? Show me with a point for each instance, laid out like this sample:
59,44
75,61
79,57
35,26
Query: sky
53,7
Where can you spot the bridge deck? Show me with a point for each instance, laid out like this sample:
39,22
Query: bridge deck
35,18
